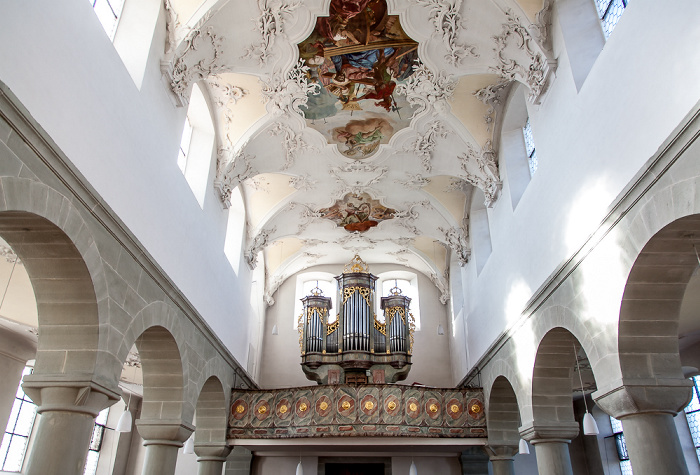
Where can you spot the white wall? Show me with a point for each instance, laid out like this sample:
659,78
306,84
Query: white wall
590,143
125,142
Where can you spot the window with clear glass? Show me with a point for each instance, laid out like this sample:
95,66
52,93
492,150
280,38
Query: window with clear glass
610,12
408,285
305,284
98,432
19,427
530,147
621,445
692,414
108,12
184,145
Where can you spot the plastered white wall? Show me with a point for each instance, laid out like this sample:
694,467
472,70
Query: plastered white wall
590,143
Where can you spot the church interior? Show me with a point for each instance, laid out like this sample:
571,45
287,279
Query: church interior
346,237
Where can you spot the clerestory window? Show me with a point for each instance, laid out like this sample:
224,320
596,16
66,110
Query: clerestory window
108,12
609,12
530,148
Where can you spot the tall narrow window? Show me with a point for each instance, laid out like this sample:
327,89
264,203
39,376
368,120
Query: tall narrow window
184,145
407,282
108,12
610,12
622,455
306,282
19,427
98,432
692,414
530,148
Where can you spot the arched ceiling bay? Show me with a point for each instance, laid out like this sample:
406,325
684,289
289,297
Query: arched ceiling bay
357,126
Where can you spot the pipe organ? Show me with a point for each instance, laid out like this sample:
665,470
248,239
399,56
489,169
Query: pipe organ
355,346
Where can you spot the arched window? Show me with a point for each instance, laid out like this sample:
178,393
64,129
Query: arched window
480,232
609,12
196,145
404,280
516,155
108,12
306,282
235,230
530,148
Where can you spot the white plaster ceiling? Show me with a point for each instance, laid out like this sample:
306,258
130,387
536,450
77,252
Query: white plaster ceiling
438,139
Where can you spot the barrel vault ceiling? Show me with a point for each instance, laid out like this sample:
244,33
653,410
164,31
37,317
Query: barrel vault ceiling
357,126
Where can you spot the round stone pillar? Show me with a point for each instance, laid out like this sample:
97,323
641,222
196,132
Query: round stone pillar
162,438
501,458
68,409
647,415
551,442
211,458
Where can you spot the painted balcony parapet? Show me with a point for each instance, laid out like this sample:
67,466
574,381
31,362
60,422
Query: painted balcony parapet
366,410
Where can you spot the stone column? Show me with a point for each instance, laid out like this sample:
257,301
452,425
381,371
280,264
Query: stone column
211,458
474,461
551,442
501,458
647,415
162,438
68,407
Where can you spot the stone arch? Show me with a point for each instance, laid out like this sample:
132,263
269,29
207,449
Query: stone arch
211,414
503,414
552,383
648,327
62,260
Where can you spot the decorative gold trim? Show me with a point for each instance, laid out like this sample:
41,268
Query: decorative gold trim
454,408
364,291
381,327
391,405
476,408
283,409
413,407
332,327
240,409
262,410
369,405
323,406
345,405
356,265
433,408
303,407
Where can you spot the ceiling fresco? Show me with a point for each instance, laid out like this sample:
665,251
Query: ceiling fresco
358,55
357,126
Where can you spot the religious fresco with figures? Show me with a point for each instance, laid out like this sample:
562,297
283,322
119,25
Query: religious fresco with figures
357,212
358,55
367,410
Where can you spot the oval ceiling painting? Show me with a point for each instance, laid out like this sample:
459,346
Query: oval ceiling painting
358,55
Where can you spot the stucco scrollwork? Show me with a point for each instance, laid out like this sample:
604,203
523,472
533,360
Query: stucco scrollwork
492,96
458,240
365,176
9,255
407,216
259,243
270,24
414,181
448,23
481,170
200,57
442,286
292,142
424,145
428,90
532,70
272,286
232,168
306,216
287,93
302,182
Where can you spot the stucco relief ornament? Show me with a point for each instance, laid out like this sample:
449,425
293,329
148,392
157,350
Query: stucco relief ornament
375,175
458,240
448,23
270,24
424,145
413,181
259,243
307,215
427,90
487,176
288,93
542,25
408,216
9,255
442,287
232,168
492,96
535,74
272,287
186,71
302,182
292,142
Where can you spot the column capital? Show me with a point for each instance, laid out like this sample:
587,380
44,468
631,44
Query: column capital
630,398
69,393
536,433
164,431
501,452
211,452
